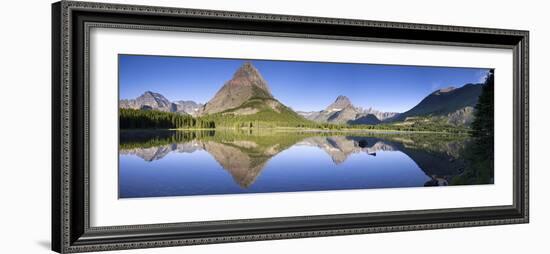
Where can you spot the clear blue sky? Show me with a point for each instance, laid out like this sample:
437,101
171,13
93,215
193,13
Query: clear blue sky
306,86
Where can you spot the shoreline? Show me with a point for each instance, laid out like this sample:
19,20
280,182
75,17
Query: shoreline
292,129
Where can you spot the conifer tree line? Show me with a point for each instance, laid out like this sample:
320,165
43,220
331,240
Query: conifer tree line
142,119
480,152
483,124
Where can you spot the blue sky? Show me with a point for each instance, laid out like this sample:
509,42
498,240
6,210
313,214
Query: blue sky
305,86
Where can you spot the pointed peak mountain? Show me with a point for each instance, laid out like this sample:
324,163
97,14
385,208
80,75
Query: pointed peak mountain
246,83
246,70
247,74
340,103
342,98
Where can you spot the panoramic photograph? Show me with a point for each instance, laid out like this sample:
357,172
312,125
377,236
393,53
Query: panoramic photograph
211,126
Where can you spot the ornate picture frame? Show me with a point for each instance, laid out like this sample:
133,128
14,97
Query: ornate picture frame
71,24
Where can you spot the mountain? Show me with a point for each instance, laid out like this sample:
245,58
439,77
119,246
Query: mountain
366,119
339,104
382,116
344,115
149,101
342,111
455,105
155,101
189,107
247,83
247,98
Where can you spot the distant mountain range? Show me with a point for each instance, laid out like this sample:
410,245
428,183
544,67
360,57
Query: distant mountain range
248,94
155,101
343,111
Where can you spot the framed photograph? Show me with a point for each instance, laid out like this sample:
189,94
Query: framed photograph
181,126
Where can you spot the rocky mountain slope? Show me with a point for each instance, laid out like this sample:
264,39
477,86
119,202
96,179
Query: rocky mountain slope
189,107
247,83
453,105
149,100
380,115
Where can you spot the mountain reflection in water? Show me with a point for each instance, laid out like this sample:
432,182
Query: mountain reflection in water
179,163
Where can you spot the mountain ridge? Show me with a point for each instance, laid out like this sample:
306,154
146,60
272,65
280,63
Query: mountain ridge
155,101
455,105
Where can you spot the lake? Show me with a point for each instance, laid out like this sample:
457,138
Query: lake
182,163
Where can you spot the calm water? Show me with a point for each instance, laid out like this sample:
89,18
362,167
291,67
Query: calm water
177,163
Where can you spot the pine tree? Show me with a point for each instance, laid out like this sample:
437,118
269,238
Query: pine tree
483,124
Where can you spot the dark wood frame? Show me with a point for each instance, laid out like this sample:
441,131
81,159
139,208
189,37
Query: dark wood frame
71,22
